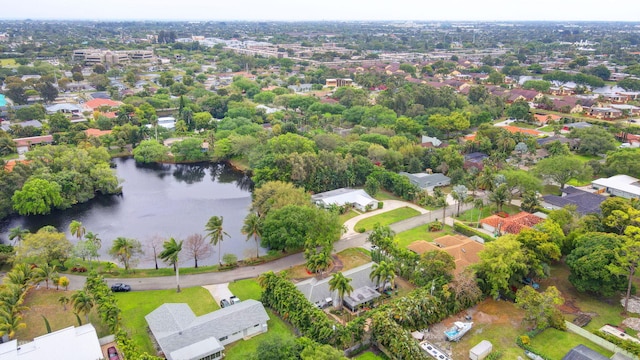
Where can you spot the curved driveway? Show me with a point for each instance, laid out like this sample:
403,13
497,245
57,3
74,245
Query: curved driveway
347,241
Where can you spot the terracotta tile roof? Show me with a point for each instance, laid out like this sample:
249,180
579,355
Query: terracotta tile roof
515,129
28,141
12,163
96,103
544,118
512,224
97,132
463,249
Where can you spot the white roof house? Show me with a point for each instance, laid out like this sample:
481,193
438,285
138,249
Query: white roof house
72,343
619,185
168,122
183,336
345,196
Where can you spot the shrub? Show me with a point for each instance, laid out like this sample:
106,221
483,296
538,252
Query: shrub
229,260
380,204
469,231
435,226
361,229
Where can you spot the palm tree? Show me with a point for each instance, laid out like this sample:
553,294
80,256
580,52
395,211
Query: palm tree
499,195
10,322
63,300
76,229
170,255
216,233
18,234
46,272
459,194
253,227
441,201
342,285
478,203
94,239
82,303
383,272
123,249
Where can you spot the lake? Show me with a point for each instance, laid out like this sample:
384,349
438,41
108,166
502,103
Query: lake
163,200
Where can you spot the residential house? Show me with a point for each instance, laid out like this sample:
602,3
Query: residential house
63,108
24,144
605,113
475,159
72,343
358,198
627,109
582,352
429,141
464,250
317,291
615,98
524,95
302,88
167,122
428,181
183,336
515,130
567,105
543,119
511,224
584,201
576,125
338,82
95,104
96,132
631,139
619,185
6,126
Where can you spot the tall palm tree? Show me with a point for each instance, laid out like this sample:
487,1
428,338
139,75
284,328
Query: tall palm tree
76,229
170,255
82,303
383,272
342,285
253,228
18,234
478,203
216,233
459,194
123,249
94,239
46,272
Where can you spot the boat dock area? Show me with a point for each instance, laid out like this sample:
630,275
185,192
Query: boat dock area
434,351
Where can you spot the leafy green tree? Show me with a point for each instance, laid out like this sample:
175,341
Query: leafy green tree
77,229
37,197
623,161
170,254
18,233
590,264
601,71
630,84
274,195
276,348
124,250
627,259
521,181
561,169
456,121
540,308
189,150
538,85
530,201
342,285
291,226
502,263
519,110
594,140
500,195
436,264
10,322
46,272
150,151
43,247
216,233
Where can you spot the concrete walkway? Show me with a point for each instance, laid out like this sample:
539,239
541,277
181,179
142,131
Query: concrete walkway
246,272
388,206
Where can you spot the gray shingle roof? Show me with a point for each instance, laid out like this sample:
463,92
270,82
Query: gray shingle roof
424,180
582,352
175,327
318,290
585,202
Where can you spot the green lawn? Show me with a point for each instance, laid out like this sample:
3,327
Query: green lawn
548,128
405,238
524,125
244,349
246,289
586,158
551,190
471,215
556,344
387,218
385,195
7,62
348,215
136,304
368,356
574,182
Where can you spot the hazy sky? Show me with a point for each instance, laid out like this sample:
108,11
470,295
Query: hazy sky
291,10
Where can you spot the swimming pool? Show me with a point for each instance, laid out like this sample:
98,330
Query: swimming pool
3,102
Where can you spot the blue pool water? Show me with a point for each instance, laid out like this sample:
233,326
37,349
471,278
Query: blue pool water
3,102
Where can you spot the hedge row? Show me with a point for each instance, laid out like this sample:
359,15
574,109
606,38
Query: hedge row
628,345
469,231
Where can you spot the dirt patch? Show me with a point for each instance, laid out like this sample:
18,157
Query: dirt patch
569,306
632,323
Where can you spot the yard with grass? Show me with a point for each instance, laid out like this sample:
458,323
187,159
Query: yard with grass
385,195
551,190
524,125
563,342
246,289
368,356
43,302
387,218
8,62
421,232
471,215
350,258
348,215
244,349
136,304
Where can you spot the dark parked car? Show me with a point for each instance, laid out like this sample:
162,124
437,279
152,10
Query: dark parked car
113,354
224,303
120,287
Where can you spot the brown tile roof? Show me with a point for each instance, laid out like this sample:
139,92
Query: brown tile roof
514,223
463,249
96,103
96,132
515,129
28,141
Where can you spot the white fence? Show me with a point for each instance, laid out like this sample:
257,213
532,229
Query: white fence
597,340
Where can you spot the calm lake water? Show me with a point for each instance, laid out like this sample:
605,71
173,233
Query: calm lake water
160,200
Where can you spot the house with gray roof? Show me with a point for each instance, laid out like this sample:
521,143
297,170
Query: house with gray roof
582,352
183,336
317,291
358,198
6,126
427,181
584,201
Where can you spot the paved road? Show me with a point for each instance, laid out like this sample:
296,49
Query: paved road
358,240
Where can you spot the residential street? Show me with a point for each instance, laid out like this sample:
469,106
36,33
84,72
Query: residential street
357,240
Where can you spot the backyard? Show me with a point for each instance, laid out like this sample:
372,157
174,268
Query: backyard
42,302
136,304
350,258
386,218
421,232
474,214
